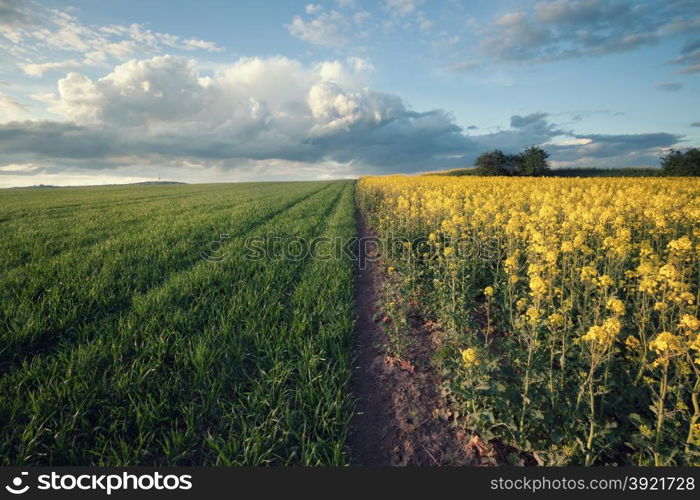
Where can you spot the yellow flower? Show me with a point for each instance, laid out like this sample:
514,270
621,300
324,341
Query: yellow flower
632,343
470,357
603,335
448,251
556,319
668,271
588,274
682,244
611,326
594,334
533,315
606,281
616,306
647,285
664,343
689,322
645,431
687,297
488,291
511,263
537,286
695,434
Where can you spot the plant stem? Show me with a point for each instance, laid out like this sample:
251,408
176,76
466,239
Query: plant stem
696,413
660,414
591,428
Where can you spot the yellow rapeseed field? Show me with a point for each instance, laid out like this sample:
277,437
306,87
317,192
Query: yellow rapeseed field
569,307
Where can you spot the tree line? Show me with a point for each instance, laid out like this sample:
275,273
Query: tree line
533,161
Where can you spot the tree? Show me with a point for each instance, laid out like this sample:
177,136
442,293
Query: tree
533,161
681,163
492,163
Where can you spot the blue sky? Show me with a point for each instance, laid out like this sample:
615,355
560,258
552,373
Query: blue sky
120,91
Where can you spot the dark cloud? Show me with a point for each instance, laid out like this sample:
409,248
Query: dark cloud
15,13
562,29
644,141
56,140
404,144
614,150
695,124
689,57
517,121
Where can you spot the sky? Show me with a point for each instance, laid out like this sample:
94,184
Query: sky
113,91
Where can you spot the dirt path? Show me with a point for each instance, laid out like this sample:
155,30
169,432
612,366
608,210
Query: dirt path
371,421
401,418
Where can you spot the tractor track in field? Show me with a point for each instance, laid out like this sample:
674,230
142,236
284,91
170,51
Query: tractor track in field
401,418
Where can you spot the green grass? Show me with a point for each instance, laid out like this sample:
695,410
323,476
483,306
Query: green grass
121,345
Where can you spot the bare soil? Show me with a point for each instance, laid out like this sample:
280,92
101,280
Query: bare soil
401,418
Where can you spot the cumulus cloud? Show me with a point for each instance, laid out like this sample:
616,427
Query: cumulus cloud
319,118
256,109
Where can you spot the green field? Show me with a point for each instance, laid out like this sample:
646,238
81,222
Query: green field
120,344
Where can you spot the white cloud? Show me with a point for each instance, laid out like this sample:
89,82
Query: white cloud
194,44
402,7
361,65
568,142
322,118
334,28
350,26
38,69
16,168
45,40
256,109
327,29
10,109
313,8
